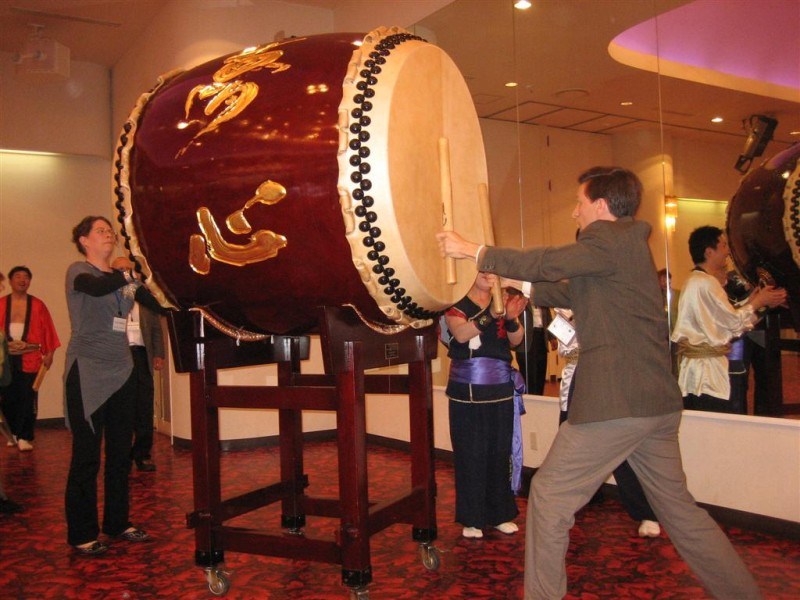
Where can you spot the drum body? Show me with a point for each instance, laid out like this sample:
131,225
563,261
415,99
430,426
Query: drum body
763,224
303,173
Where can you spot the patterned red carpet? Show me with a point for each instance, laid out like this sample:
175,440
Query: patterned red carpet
606,559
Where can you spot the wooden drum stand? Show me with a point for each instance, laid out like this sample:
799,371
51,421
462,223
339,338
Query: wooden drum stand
349,348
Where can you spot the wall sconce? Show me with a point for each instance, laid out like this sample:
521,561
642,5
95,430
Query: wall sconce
670,213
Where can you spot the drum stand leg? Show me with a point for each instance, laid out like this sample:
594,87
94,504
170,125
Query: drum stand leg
290,424
422,466
206,476
351,434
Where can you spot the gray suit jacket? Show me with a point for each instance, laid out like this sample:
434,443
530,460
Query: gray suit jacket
624,367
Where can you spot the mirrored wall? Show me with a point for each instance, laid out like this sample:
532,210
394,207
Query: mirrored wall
668,88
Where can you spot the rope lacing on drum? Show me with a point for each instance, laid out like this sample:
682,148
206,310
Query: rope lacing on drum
377,251
237,333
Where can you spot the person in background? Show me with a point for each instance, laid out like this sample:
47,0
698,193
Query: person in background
481,393
531,354
670,297
32,341
146,342
99,388
625,404
7,506
707,322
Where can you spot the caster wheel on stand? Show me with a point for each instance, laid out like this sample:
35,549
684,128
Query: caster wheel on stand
359,593
218,580
431,557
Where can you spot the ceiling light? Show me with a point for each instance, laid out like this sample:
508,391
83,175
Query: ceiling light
31,152
571,93
794,132
512,84
522,4
626,103
717,120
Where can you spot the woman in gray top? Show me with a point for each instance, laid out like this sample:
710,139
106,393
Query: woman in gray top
98,388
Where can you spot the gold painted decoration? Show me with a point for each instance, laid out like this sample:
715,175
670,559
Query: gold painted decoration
230,96
198,259
264,244
267,193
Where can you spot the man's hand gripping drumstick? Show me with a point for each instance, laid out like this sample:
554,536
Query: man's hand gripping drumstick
452,245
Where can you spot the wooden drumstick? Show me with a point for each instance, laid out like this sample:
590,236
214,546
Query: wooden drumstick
447,201
498,306
37,383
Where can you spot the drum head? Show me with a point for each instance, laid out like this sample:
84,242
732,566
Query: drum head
413,97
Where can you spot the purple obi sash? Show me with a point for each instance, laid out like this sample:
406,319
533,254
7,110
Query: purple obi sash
737,349
493,371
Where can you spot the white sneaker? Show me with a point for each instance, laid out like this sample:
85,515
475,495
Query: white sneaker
24,446
508,528
649,529
472,532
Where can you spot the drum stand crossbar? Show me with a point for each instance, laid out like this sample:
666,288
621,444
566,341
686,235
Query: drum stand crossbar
349,348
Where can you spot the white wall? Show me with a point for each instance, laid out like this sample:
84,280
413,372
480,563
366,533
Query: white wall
742,462
533,174
41,199
745,463
72,116
704,169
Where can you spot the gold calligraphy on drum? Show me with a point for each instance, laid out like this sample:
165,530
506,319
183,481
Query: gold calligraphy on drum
210,244
230,96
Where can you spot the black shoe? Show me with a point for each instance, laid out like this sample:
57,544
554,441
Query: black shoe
134,535
10,507
145,465
92,550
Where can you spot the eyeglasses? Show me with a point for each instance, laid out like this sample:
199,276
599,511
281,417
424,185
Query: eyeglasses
104,231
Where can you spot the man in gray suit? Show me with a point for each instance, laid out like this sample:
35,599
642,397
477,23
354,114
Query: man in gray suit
626,404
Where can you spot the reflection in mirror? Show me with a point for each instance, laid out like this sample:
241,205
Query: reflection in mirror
573,107
589,92
730,89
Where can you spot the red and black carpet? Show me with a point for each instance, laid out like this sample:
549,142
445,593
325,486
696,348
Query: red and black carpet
606,559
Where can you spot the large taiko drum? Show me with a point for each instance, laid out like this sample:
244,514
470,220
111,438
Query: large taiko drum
313,171
763,224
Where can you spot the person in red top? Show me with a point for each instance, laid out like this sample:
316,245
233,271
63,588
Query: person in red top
32,341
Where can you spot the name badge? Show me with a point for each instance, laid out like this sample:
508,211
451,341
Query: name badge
119,324
562,330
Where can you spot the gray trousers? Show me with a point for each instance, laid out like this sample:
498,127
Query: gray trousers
581,459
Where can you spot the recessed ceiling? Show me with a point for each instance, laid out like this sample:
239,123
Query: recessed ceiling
699,42
559,45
